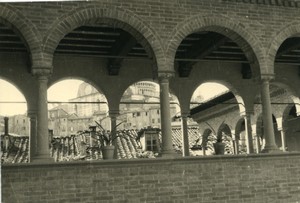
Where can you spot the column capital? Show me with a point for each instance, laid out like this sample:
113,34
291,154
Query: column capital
165,75
42,71
185,114
247,113
32,113
113,113
267,77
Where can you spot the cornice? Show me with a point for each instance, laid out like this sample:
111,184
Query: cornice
282,3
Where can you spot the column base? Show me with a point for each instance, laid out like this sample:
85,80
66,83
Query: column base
42,159
169,154
271,149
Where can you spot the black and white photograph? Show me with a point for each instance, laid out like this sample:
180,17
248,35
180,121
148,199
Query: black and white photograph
150,101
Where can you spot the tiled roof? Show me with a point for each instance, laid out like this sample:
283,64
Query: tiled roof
17,151
69,148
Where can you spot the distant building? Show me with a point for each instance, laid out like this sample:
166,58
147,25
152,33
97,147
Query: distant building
139,108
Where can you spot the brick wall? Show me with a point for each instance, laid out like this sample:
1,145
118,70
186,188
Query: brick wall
263,178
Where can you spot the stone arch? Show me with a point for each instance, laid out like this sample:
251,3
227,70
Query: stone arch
205,134
223,128
123,19
284,33
223,25
25,29
286,115
239,128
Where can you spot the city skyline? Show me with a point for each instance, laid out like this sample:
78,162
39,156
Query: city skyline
14,103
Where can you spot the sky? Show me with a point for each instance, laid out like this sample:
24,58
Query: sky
67,89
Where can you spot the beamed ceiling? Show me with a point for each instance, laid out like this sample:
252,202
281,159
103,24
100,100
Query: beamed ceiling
116,44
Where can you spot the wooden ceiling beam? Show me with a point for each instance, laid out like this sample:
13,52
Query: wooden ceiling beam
289,45
121,48
200,50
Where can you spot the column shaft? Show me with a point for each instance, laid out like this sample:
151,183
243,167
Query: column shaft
33,136
248,130
258,148
167,145
185,135
270,145
283,140
42,152
113,130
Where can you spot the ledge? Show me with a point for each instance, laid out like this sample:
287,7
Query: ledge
283,3
196,159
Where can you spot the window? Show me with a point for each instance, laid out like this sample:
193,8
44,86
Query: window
146,113
138,114
151,142
153,120
157,111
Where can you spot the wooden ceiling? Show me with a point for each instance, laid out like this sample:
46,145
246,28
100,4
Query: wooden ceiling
116,44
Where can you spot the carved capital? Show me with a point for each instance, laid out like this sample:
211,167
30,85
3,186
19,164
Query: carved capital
267,77
42,71
114,113
165,75
32,114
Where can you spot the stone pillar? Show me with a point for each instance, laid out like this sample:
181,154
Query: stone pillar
167,143
42,152
235,142
258,145
282,133
248,131
185,134
270,145
33,134
235,146
113,129
283,140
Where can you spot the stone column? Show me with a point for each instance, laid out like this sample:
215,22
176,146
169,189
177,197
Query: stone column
166,130
270,145
283,140
42,152
235,142
282,133
33,134
248,131
185,134
113,129
258,145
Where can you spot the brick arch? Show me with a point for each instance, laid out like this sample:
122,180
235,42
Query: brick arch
205,134
19,87
123,89
284,33
123,19
291,94
224,128
223,25
240,100
238,128
24,28
84,79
